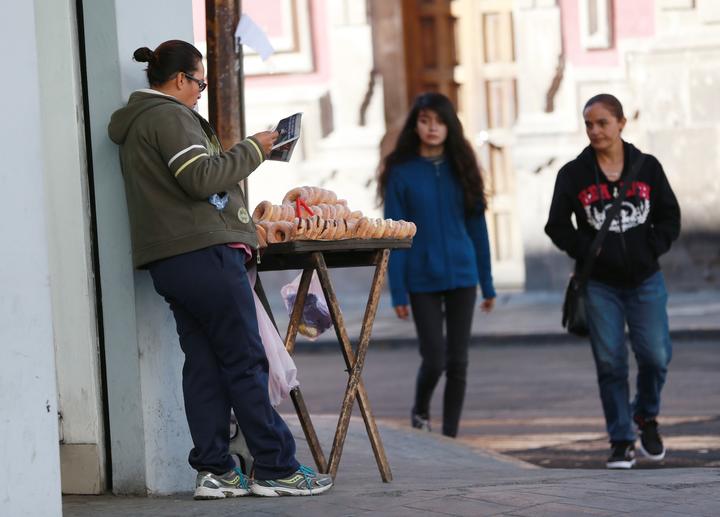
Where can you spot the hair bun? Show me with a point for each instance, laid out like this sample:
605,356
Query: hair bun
144,55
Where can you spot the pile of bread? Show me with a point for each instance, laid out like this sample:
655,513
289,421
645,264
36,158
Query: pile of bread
314,213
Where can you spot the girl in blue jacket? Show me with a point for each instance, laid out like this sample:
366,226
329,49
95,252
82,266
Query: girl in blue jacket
432,178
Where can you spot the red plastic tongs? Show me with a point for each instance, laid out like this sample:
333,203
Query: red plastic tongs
299,205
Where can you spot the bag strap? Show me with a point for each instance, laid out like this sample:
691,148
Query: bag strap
609,218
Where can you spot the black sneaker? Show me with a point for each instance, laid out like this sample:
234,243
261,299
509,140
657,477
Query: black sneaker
651,444
622,456
419,421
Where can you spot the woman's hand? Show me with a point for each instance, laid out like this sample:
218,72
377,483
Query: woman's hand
402,311
487,305
266,139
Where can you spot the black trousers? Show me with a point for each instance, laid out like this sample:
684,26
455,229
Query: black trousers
225,362
455,309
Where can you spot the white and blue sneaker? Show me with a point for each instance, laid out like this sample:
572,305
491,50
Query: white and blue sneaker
304,481
213,486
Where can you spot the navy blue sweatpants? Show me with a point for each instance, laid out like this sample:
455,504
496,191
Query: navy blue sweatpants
225,363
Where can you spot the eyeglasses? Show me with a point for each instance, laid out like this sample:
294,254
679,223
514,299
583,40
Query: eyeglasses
201,84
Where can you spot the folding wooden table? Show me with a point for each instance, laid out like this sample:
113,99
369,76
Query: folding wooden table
320,256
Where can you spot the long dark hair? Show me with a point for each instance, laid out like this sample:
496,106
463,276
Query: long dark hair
458,150
168,59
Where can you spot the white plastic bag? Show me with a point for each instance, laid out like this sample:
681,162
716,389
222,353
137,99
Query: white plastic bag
283,372
315,318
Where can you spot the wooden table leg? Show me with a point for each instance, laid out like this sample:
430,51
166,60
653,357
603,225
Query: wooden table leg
355,364
296,394
297,311
309,430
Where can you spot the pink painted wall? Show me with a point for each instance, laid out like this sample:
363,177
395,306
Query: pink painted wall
261,11
198,7
320,42
630,19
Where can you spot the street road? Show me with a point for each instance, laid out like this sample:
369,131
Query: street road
536,402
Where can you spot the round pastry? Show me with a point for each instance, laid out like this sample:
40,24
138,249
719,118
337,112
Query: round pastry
281,212
311,228
312,198
262,212
299,228
357,214
321,230
289,212
319,196
390,229
293,194
280,231
265,225
379,229
341,211
316,224
354,226
272,214
350,226
332,230
363,228
327,233
308,227
337,230
330,197
371,230
323,210
341,229
413,230
261,235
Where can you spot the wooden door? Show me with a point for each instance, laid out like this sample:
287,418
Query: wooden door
488,101
430,57
465,50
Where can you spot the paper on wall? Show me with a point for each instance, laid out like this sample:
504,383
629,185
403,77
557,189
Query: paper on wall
249,33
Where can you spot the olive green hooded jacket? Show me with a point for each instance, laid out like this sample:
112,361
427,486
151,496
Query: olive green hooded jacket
172,163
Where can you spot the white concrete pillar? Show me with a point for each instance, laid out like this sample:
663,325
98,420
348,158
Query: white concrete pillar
82,450
29,452
148,433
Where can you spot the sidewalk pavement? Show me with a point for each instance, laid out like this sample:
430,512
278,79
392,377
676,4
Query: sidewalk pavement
531,316
439,476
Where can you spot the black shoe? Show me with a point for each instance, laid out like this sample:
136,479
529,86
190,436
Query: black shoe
419,421
622,456
651,444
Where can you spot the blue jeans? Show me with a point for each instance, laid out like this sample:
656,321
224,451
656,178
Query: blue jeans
644,308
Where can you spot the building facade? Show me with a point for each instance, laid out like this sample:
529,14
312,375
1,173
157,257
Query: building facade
90,392
661,59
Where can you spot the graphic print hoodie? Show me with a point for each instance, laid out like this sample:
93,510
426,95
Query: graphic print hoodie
648,223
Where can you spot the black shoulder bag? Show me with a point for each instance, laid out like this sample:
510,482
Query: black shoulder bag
574,313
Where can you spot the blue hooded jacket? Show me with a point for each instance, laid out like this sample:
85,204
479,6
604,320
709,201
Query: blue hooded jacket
450,250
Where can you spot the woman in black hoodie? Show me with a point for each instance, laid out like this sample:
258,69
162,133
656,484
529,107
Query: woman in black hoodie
625,284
